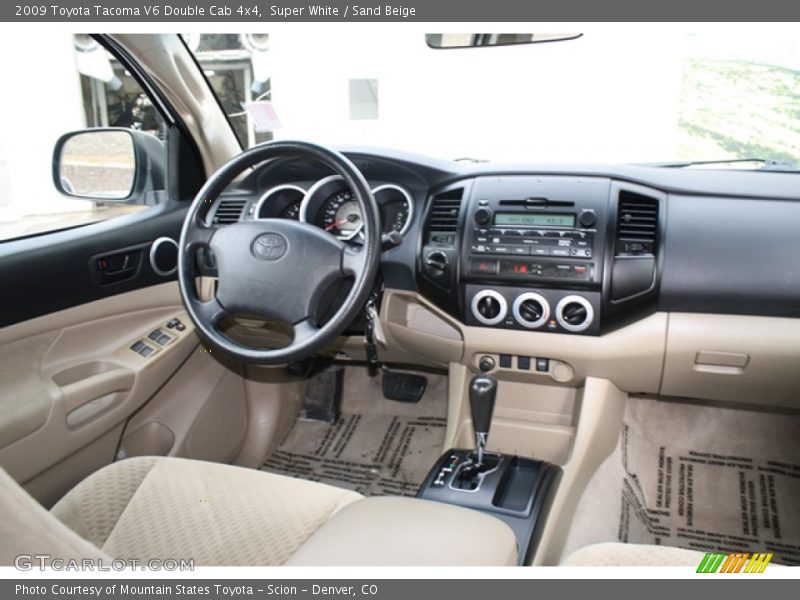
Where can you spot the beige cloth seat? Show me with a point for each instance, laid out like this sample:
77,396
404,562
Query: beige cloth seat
155,507
632,555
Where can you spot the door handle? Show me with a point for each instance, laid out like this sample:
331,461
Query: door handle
78,393
118,266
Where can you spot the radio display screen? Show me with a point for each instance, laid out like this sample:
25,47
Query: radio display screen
527,220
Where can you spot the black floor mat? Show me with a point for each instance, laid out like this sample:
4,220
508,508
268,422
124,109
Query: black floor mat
376,447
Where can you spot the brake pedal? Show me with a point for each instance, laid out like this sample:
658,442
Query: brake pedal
403,387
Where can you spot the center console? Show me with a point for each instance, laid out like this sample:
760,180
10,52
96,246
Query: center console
538,253
513,489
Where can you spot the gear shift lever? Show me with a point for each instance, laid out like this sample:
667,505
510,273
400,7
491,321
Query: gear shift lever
482,394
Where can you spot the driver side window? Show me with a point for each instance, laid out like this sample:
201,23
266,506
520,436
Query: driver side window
76,85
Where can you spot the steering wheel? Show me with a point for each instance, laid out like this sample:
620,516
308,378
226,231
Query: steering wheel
277,269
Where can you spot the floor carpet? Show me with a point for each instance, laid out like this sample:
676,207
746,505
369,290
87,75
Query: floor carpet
377,446
698,477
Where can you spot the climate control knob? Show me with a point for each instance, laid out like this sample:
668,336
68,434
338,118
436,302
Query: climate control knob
574,313
531,310
489,307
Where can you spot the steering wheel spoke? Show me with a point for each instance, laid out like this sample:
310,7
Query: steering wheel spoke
211,311
305,330
353,260
199,235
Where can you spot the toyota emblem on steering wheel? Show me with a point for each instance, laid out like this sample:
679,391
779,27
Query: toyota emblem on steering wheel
270,246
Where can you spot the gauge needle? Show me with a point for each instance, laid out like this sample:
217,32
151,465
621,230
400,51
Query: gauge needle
335,225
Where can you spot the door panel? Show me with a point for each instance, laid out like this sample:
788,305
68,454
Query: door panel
71,377
59,270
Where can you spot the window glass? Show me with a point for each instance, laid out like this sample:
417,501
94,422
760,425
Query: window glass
647,94
74,84
363,98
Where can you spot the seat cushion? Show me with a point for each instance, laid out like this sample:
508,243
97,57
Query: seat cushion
155,507
26,528
633,555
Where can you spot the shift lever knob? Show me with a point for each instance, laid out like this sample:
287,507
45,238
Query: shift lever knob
482,394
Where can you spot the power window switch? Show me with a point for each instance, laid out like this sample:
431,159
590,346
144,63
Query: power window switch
146,351
163,340
155,334
137,347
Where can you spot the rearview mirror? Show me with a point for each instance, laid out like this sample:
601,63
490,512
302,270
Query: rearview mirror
108,164
477,40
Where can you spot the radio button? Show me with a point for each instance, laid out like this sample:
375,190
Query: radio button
500,249
581,252
540,251
524,250
559,251
479,249
587,219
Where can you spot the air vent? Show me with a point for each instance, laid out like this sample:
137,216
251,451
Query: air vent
637,224
443,218
229,211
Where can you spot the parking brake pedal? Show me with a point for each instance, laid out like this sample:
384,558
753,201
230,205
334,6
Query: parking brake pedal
323,399
403,387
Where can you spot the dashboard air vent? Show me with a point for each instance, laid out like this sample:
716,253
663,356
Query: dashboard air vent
637,224
229,211
445,207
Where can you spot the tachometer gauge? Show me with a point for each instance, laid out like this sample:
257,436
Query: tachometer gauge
282,201
341,215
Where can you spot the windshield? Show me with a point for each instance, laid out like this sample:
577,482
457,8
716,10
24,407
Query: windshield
645,96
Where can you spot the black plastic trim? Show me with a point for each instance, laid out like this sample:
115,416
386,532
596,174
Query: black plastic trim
52,272
731,256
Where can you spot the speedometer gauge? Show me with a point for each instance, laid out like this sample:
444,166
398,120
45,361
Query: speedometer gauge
341,215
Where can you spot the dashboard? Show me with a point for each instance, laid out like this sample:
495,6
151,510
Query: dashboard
570,249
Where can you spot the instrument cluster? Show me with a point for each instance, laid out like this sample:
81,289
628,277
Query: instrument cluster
331,205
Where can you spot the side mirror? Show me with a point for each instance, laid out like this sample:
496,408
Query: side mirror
109,165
